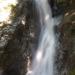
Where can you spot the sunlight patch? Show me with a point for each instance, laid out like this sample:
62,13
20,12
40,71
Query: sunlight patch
5,10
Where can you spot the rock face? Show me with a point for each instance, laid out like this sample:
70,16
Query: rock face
18,41
66,51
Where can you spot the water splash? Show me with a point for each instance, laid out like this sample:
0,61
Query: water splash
43,63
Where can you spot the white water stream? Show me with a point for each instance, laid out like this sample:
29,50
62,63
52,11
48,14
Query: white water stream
43,63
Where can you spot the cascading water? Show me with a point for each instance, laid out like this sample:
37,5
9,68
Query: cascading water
43,63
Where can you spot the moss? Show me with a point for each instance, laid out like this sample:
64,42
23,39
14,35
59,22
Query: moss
72,72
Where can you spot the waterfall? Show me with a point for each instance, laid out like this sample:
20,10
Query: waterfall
43,63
